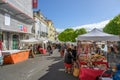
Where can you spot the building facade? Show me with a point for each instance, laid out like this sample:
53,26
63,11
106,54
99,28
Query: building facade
51,30
16,20
41,27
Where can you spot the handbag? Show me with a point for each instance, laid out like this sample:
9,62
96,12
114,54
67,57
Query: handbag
75,72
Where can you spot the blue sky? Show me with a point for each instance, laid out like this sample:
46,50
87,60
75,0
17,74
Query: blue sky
71,13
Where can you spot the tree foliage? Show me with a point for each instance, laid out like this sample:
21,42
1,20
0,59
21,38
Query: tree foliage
66,35
113,27
70,34
80,32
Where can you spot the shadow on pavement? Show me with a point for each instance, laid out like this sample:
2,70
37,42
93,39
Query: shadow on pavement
56,72
54,58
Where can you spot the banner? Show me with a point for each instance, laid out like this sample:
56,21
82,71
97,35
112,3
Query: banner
7,19
35,3
22,28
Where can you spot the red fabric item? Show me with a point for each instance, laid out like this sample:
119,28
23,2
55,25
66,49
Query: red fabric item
83,63
43,51
24,29
68,65
89,74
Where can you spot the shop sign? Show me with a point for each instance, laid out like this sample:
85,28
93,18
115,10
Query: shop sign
35,3
22,28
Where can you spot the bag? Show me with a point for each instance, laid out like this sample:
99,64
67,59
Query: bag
76,72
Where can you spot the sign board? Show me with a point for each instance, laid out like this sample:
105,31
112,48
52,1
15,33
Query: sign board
35,3
22,28
7,19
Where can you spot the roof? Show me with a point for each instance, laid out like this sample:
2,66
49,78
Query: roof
98,35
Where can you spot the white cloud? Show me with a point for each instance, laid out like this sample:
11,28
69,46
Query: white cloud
89,27
59,30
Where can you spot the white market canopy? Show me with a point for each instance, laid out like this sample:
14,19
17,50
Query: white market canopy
97,35
30,41
42,39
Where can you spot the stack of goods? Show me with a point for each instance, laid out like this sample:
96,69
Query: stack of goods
97,57
95,61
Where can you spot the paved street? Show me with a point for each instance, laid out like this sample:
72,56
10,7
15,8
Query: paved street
42,67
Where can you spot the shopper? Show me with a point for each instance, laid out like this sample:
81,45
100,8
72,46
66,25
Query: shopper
49,49
116,75
68,60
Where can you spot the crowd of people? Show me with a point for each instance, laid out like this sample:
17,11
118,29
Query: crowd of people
84,55
69,53
93,52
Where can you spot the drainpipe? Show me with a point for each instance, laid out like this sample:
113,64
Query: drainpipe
0,39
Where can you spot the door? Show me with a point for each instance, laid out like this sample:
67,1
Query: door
15,42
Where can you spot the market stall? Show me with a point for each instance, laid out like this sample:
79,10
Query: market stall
30,43
15,56
43,41
92,61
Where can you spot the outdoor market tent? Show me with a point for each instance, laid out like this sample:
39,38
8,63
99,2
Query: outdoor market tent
30,41
97,35
42,39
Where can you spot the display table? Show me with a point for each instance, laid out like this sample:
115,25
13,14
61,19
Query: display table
98,62
89,74
15,56
43,51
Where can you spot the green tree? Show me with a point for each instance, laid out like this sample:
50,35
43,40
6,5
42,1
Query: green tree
79,32
69,34
66,35
113,27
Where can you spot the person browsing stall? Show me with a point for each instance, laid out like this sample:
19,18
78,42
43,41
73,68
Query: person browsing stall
68,60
